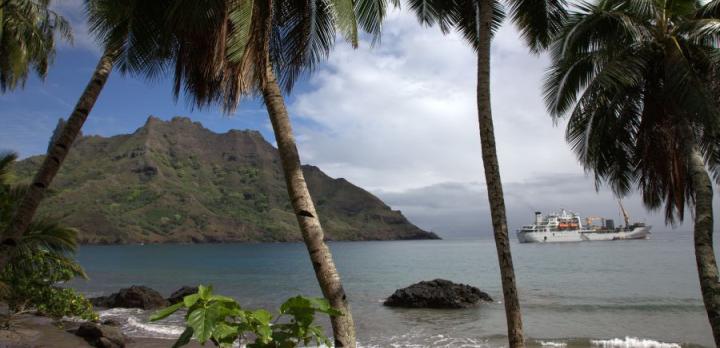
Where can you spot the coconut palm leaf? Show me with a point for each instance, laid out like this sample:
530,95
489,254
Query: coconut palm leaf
28,31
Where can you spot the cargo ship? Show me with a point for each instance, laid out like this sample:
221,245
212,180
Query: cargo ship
567,226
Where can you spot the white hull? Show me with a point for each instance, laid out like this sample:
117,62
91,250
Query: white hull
640,232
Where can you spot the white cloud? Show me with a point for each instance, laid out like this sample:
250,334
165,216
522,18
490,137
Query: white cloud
401,120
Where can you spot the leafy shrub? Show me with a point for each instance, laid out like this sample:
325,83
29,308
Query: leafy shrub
29,282
221,320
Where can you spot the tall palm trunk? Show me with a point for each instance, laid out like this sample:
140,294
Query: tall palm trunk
55,157
703,235
312,232
492,178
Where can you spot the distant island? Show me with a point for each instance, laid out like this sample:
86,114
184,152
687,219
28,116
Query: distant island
176,182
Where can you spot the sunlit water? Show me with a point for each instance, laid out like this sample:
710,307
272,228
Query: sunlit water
604,294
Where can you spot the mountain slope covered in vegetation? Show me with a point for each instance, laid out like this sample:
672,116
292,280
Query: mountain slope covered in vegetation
176,181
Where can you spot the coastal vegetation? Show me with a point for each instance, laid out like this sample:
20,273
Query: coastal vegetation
176,181
27,40
638,82
636,79
221,320
42,260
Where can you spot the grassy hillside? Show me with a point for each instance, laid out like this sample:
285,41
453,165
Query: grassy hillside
176,181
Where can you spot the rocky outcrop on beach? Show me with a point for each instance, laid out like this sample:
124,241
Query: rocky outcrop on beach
438,293
180,294
101,336
132,297
178,182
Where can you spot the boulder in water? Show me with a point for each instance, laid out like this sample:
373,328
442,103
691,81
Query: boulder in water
179,294
438,293
132,297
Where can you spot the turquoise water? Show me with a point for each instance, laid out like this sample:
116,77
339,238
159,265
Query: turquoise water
570,293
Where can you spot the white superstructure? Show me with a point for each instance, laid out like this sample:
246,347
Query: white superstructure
568,227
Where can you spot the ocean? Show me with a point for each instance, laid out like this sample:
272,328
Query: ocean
640,293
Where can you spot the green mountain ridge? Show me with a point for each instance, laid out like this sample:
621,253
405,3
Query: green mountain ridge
176,181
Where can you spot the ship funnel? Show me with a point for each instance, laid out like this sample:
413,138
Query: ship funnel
538,218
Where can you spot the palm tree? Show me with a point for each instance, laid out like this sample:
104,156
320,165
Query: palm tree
477,20
222,51
134,32
637,80
27,40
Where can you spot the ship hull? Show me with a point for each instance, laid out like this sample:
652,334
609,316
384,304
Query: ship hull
640,232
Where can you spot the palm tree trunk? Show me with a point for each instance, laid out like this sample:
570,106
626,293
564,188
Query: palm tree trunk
703,235
312,232
493,181
55,157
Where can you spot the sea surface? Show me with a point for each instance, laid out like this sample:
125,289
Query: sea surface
641,293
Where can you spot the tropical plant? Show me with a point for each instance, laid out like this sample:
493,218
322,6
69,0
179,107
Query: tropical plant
135,29
40,262
477,21
637,80
222,320
225,50
27,39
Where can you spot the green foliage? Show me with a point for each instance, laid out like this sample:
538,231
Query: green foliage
27,39
30,283
222,321
40,262
637,81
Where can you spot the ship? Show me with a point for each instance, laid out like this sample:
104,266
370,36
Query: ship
567,226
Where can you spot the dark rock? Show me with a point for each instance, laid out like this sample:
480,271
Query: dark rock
179,294
111,322
101,336
132,297
438,293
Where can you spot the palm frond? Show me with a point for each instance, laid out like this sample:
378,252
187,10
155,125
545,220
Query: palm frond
28,31
538,21
6,161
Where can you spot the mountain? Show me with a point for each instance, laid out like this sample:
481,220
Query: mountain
176,181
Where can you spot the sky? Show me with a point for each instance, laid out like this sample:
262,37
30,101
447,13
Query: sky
398,119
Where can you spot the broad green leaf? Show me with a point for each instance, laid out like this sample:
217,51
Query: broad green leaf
225,334
262,316
202,324
165,312
184,338
204,292
221,298
322,305
190,300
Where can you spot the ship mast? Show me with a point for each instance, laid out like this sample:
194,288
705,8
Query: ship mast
625,214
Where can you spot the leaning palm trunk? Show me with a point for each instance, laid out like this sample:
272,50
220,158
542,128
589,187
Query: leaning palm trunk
57,152
312,232
493,182
704,253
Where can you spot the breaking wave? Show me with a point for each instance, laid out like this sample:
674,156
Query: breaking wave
632,342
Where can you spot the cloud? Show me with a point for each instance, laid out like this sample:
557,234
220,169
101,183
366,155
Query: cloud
461,209
404,115
401,120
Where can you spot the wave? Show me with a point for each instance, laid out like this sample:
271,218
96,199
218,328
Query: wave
632,342
168,331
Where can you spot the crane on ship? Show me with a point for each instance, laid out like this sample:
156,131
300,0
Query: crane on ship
625,214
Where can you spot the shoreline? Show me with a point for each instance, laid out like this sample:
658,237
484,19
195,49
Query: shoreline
35,331
264,242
